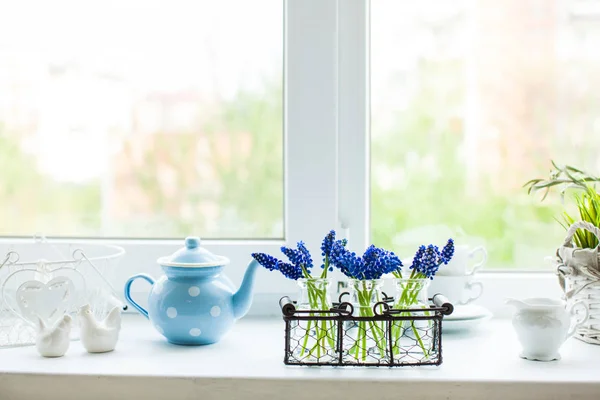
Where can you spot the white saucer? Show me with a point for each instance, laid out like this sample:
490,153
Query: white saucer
465,318
470,311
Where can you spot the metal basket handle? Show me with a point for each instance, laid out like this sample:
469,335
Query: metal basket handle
442,302
287,306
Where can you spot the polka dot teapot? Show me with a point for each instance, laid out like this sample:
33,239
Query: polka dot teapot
194,303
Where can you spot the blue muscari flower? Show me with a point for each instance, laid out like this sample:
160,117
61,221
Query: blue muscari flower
448,251
379,262
428,259
431,261
290,271
353,266
305,259
326,247
374,263
299,257
343,259
267,261
327,244
293,255
416,263
271,263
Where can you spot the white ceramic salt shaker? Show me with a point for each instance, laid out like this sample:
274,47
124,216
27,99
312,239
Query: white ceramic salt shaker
53,341
99,336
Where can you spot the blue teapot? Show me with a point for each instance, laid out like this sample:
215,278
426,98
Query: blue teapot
194,303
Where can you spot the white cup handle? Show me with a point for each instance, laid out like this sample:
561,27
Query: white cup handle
578,324
469,286
481,263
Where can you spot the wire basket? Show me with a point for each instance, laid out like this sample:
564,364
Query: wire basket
87,267
389,338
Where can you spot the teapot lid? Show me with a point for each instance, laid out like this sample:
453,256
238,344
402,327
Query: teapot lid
193,256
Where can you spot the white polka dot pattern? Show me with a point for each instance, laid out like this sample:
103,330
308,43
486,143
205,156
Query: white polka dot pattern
195,332
194,291
171,312
215,311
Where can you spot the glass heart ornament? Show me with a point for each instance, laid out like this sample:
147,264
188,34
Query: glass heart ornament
50,301
30,294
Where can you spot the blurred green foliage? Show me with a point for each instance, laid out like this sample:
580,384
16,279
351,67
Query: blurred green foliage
221,180
255,119
31,199
423,152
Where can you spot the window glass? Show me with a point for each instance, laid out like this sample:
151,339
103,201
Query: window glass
471,99
141,118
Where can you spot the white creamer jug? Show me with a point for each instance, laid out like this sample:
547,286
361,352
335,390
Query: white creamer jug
543,325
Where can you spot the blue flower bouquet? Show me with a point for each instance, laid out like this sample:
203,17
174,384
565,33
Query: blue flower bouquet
318,338
411,293
365,285
367,333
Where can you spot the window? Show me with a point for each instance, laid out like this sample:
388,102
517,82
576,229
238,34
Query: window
256,123
142,119
140,122
469,101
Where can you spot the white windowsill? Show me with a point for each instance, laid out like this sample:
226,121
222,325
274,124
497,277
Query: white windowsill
247,363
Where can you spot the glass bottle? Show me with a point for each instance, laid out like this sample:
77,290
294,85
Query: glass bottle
314,340
412,339
365,339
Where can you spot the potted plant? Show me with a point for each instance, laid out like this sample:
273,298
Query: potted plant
586,199
577,258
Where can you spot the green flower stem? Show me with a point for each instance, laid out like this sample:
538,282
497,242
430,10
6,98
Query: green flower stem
359,348
375,327
317,298
408,299
328,324
306,335
397,328
324,329
425,351
325,267
321,334
308,326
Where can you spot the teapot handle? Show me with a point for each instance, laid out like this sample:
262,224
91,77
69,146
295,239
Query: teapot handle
580,322
135,305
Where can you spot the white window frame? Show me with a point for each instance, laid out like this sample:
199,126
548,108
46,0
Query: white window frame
326,160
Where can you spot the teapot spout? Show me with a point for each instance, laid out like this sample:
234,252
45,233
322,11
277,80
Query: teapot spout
242,299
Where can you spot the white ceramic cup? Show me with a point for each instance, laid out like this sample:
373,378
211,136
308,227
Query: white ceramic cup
459,289
462,261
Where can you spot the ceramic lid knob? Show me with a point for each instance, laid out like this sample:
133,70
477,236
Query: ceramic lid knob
192,242
193,255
